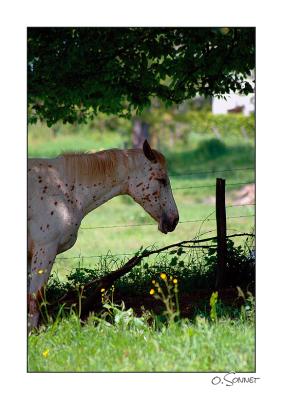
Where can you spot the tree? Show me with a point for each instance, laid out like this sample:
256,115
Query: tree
73,73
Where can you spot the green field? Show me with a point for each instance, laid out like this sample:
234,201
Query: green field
202,154
199,345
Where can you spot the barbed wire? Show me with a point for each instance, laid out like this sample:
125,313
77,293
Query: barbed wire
206,186
181,222
212,171
240,205
150,224
132,254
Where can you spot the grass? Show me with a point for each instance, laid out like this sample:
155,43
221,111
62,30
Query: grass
199,346
196,345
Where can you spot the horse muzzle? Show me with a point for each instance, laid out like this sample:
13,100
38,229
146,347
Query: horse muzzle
168,224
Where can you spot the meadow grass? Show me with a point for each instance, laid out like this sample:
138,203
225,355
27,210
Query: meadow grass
201,346
196,346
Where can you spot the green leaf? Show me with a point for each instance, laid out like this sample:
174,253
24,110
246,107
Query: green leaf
173,261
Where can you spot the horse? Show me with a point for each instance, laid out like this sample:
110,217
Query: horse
63,190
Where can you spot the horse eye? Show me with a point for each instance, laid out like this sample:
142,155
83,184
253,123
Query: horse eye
162,180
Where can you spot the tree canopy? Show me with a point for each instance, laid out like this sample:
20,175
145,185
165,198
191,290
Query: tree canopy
74,73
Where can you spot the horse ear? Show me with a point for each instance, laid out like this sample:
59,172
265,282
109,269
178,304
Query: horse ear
148,152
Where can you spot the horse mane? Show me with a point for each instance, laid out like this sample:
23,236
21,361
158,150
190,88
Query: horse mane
91,166
88,167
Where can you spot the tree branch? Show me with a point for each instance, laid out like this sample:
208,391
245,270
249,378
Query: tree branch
92,290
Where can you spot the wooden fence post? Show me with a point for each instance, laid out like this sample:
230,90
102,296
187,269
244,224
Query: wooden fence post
221,233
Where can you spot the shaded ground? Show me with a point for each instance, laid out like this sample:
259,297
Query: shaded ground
190,303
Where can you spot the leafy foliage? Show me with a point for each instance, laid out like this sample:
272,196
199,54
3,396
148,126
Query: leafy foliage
75,72
240,265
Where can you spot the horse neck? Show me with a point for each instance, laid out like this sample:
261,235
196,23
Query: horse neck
104,188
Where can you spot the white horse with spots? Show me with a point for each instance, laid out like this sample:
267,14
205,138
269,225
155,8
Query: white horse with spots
63,190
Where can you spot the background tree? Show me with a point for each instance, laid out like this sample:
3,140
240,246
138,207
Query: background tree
74,73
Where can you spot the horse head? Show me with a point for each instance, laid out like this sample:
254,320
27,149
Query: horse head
150,187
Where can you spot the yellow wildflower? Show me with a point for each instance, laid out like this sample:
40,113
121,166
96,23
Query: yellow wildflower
175,281
40,271
153,281
45,353
102,290
163,276
151,291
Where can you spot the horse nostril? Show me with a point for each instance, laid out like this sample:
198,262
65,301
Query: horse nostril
175,222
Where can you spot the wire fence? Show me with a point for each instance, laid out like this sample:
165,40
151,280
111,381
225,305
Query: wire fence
204,219
212,171
207,186
148,224
109,254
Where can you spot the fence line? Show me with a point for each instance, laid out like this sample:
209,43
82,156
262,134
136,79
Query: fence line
132,254
206,186
240,205
149,224
212,172
181,222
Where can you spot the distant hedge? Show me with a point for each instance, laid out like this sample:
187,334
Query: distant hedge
165,123
228,124
191,121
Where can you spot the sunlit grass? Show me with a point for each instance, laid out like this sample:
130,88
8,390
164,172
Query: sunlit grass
188,347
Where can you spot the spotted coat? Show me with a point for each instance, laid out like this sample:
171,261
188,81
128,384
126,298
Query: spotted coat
59,197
